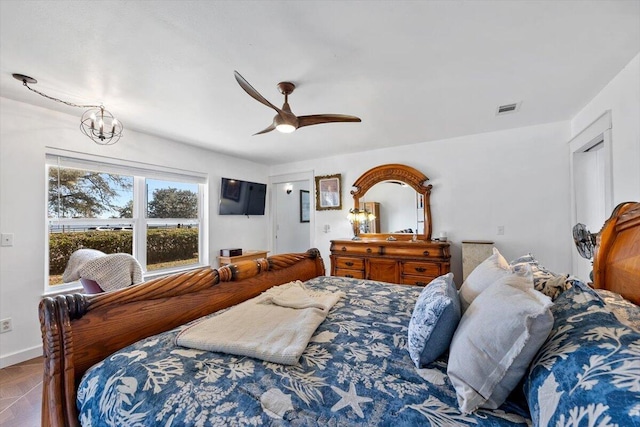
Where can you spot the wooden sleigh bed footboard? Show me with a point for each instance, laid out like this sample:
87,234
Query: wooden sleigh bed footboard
616,263
80,330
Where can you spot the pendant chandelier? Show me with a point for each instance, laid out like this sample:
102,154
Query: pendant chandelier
96,122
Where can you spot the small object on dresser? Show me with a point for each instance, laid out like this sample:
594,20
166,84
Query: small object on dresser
230,252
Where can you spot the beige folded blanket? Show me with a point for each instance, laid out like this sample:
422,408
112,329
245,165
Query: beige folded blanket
293,295
267,327
111,272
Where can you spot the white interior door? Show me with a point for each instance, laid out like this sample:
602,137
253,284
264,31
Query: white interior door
592,182
291,233
589,193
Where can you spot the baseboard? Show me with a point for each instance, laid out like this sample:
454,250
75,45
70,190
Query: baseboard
20,356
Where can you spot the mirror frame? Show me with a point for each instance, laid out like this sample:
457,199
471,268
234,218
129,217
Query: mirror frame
395,172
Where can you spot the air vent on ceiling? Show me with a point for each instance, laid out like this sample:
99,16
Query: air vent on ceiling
508,108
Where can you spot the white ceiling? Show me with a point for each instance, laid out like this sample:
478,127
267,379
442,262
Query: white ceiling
413,71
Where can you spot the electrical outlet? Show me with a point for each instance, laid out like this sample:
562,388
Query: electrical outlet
5,325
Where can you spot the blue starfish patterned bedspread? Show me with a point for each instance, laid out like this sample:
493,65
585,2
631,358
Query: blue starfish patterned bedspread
355,371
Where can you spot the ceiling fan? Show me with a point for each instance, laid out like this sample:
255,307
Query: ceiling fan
285,121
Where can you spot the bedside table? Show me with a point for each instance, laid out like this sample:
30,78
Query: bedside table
246,255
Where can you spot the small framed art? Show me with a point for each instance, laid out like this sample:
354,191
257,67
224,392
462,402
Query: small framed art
328,192
304,206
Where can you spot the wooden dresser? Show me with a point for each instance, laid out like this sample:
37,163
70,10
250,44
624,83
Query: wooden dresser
400,261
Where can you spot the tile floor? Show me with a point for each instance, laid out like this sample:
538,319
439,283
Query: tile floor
21,394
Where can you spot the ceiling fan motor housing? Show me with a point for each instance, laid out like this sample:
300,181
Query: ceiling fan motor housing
289,120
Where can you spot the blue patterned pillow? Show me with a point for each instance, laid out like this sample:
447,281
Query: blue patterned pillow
588,370
549,283
434,320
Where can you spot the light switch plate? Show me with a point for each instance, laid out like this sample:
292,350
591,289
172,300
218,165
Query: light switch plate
6,239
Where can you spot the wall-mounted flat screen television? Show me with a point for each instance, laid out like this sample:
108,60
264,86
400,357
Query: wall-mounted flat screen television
239,197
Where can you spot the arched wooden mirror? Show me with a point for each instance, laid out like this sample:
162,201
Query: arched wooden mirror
398,196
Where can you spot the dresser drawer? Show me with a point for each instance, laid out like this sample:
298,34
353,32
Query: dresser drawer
416,251
355,248
420,268
350,263
417,280
345,272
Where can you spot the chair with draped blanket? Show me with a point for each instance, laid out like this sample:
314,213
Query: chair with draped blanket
99,272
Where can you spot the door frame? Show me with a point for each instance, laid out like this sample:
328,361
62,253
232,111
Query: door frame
283,179
598,131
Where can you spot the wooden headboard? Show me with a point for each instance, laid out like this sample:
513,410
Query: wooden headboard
616,264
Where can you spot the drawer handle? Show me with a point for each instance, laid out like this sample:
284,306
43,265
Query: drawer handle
421,284
425,253
349,264
348,275
343,248
421,269
368,250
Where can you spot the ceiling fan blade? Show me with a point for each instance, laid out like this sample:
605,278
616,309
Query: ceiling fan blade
253,93
318,119
268,129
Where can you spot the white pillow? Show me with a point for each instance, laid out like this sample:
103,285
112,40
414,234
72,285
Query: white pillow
496,340
484,275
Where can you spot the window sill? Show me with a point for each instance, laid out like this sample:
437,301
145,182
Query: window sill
161,273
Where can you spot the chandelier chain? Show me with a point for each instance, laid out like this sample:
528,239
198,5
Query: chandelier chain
100,126
71,104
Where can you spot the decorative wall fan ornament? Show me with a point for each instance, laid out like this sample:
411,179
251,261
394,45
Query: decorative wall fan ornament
285,121
585,241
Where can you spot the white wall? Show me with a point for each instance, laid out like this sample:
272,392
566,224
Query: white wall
517,178
622,96
25,133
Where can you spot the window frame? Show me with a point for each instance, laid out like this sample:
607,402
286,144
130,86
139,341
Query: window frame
139,222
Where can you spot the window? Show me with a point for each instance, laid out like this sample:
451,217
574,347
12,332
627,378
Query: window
155,215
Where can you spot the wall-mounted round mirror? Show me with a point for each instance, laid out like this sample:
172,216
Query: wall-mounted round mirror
395,200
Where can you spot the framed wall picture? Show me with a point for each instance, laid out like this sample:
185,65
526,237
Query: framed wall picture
328,192
304,206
